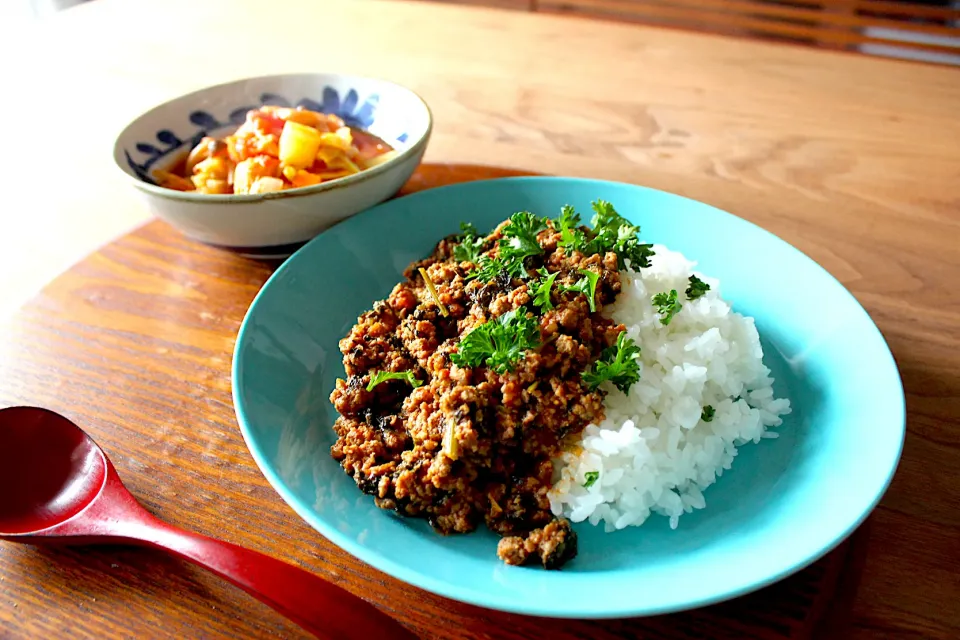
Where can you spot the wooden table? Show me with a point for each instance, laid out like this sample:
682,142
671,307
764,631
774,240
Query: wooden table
855,161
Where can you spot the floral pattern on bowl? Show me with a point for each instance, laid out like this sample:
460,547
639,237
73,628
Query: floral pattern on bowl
272,224
350,109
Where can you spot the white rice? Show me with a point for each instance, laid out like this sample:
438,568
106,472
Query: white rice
653,451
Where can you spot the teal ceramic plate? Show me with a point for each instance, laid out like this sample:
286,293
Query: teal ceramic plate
786,502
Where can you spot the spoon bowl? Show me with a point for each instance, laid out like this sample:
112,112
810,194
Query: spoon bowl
58,487
50,469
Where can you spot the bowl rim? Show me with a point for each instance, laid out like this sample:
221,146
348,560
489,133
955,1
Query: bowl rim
462,593
246,198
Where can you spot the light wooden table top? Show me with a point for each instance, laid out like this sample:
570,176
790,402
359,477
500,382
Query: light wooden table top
856,161
769,132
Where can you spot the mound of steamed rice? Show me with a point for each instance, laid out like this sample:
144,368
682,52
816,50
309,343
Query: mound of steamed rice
654,452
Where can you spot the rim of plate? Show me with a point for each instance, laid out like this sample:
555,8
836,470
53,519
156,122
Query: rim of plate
386,564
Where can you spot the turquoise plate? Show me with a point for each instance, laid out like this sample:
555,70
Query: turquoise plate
786,502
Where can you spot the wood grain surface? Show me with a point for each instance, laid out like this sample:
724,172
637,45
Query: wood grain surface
774,133
853,160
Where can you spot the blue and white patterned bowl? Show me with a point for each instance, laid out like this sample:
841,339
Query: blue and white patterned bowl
273,224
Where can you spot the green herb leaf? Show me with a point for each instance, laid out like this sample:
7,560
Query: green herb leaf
467,229
382,376
541,289
574,240
587,285
708,413
667,305
615,233
619,364
487,269
500,343
571,236
471,244
697,288
590,477
519,242
469,249
569,218
525,225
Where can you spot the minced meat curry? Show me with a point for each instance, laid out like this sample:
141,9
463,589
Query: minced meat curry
462,385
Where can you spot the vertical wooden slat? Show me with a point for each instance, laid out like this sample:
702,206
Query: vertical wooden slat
835,24
846,8
908,10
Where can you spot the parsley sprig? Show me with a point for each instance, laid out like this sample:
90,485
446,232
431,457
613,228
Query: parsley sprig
471,244
571,236
707,414
611,232
487,269
569,218
500,343
697,288
618,364
587,285
590,477
518,243
383,376
667,306
615,233
541,289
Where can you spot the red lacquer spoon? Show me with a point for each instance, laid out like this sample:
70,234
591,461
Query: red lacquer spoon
58,487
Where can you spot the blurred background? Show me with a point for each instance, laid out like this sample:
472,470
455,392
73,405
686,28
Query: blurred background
31,9
924,30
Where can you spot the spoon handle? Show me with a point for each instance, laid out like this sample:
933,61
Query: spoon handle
319,606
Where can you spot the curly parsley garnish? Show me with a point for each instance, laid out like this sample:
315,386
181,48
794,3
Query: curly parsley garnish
587,285
707,414
590,477
499,343
518,243
697,288
487,269
471,244
611,232
571,236
569,218
574,239
616,233
541,290
525,226
619,364
383,376
667,306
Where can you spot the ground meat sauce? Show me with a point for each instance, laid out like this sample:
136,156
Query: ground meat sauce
507,428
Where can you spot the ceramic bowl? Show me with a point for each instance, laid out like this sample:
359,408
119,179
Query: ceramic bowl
273,224
785,503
